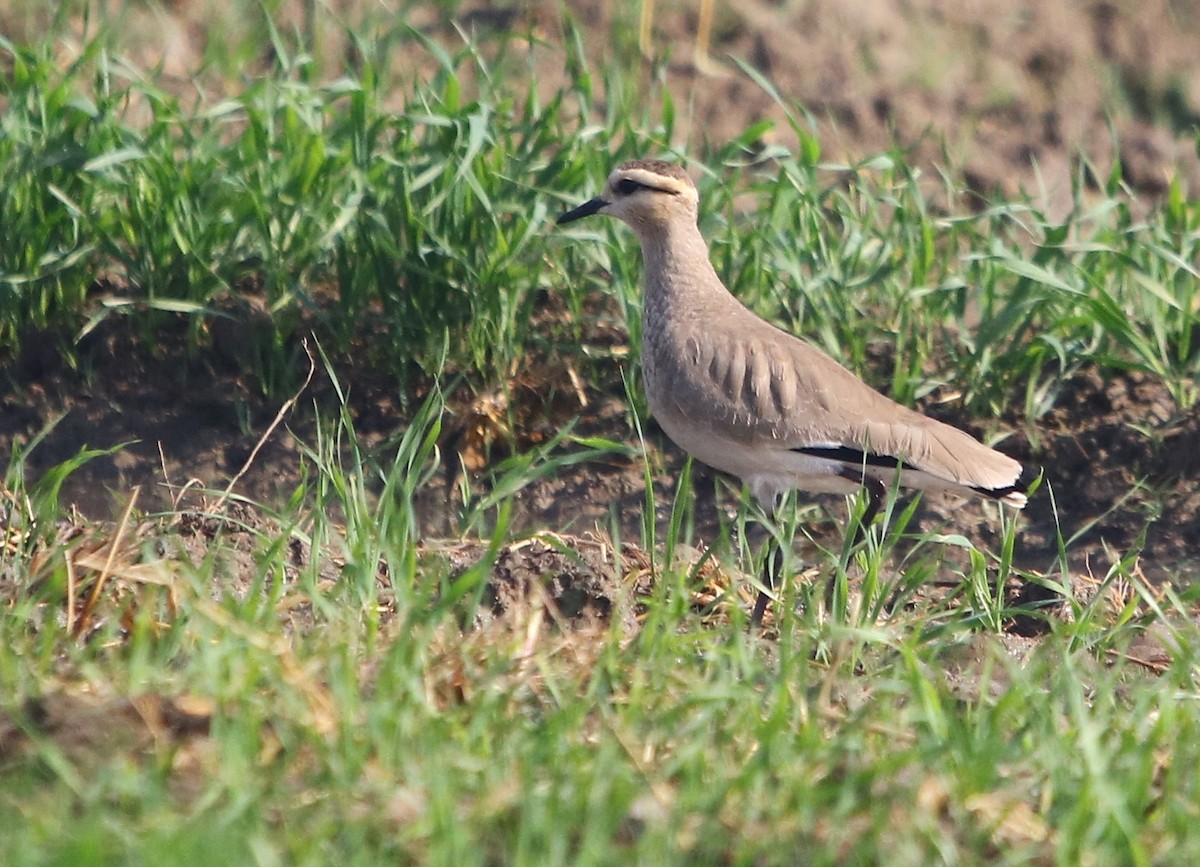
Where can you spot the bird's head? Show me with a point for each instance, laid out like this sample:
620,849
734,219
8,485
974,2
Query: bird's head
647,194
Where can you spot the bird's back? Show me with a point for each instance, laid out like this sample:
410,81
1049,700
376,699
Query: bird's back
737,382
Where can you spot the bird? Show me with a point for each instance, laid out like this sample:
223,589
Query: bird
754,401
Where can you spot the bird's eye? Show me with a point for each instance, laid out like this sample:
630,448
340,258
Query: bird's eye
627,187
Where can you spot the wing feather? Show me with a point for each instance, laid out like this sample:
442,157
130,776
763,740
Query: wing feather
755,384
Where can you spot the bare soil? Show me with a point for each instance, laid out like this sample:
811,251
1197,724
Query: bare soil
1120,459
1004,97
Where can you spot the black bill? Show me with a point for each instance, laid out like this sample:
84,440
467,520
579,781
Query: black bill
584,210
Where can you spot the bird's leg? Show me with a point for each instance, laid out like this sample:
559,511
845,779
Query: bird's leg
771,570
876,491
773,557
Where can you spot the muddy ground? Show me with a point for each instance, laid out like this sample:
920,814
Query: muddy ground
1003,97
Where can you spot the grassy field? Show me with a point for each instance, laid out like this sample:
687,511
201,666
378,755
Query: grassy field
316,681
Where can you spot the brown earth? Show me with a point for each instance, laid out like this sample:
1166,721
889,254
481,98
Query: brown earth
1006,97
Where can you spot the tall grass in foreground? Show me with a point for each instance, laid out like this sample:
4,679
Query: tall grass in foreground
334,707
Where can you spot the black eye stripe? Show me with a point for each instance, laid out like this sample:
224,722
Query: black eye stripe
628,186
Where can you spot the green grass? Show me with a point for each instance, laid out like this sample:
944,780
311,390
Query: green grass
421,235
314,684
374,729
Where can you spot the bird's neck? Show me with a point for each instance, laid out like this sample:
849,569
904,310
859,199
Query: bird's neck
679,274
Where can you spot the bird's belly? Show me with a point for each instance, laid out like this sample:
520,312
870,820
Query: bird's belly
767,468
